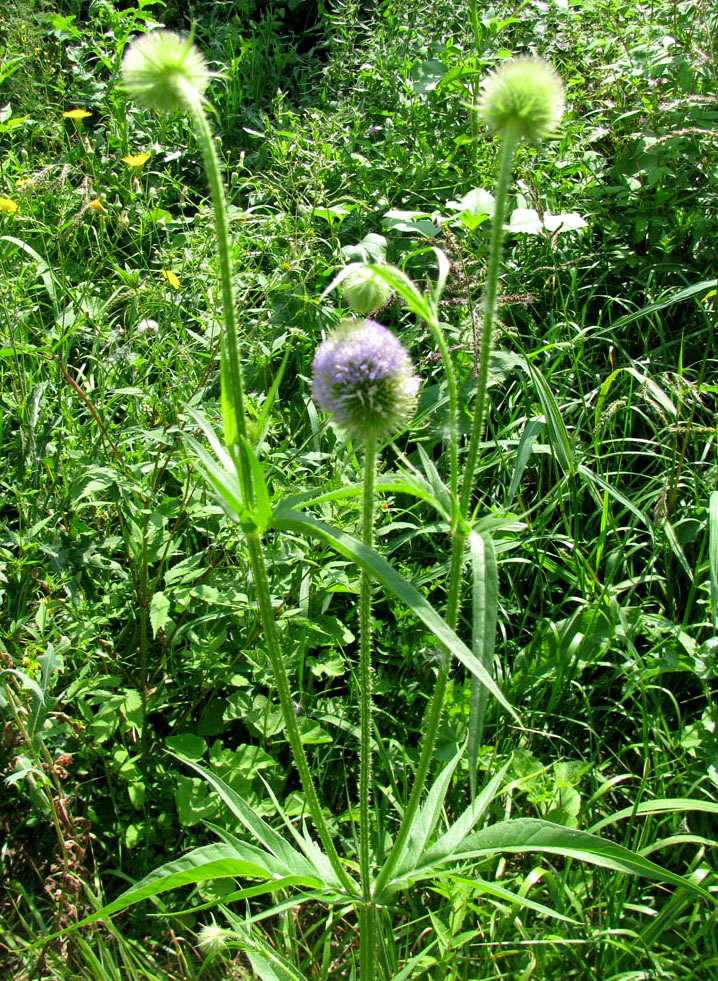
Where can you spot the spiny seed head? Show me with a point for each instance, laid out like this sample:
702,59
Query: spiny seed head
364,376
213,938
524,90
365,291
159,67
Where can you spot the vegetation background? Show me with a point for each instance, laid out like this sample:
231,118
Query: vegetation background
125,596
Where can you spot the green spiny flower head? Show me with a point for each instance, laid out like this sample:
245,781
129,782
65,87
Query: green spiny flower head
525,91
363,375
364,291
159,68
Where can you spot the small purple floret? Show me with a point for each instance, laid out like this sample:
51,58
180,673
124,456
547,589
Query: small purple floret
364,376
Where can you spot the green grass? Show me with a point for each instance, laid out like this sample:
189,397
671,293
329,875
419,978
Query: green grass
120,575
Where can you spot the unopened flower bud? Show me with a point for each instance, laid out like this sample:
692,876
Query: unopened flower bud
159,69
364,376
365,291
525,91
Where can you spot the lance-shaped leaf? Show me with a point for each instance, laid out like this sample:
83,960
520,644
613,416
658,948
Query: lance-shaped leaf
294,863
484,610
373,563
427,817
450,841
535,835
219,861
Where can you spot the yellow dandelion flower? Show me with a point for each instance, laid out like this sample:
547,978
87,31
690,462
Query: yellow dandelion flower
95,205
7,206
22,182
286,266
78,114
136,160
172,278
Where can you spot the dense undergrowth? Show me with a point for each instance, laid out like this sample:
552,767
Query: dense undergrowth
126,595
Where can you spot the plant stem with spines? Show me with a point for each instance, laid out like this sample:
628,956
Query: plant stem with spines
508,149
235,387
367,920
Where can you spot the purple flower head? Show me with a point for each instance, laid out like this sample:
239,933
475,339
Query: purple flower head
364,376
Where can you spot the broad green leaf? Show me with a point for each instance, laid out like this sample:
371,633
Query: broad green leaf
427,817
471,221
340,277
568,222
218,861
334,213
372,248
476,202
260,511
410,221
49,667
369,560
484,612
292,862
159,611
534,835
426,75
663,805
27,682
224,481
525,221
187,746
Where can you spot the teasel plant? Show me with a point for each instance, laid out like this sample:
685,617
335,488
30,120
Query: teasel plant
364,378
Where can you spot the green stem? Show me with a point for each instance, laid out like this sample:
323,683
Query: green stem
508,149
429,740
203,134
367,942
367,957
453,393
281,680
